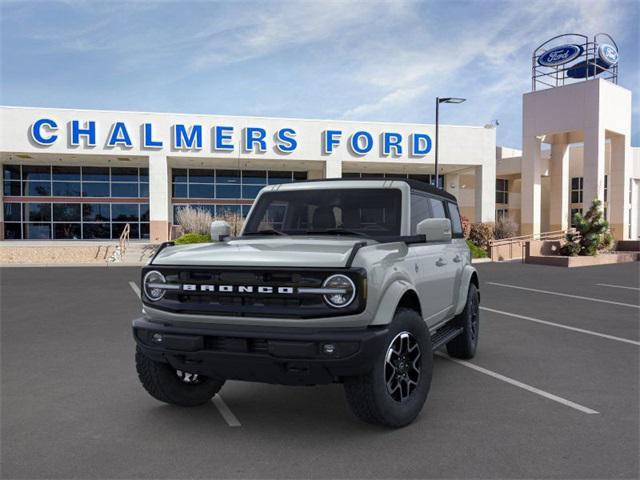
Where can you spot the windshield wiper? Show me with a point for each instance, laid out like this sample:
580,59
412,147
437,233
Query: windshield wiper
266,231
337,231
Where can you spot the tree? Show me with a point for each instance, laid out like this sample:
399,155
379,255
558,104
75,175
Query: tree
591,235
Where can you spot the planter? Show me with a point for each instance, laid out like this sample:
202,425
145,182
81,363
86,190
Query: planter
602,259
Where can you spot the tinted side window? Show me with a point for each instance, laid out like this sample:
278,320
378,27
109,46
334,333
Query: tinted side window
437,208
419,210
456,223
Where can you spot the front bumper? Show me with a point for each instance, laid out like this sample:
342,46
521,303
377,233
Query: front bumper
288,356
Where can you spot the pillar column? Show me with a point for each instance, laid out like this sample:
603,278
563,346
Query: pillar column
559,204
593,166
619,187
333,168
159,198
531,187
485,191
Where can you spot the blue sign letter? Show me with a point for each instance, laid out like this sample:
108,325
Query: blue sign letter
286,141
183,139
355,142
421,144
147,138
36,133
255,135
222,137
392,140
119,136
89,131
330,141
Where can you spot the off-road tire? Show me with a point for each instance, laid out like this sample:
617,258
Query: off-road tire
368,396
163,383
465,344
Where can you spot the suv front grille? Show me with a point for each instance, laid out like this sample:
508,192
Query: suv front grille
254,304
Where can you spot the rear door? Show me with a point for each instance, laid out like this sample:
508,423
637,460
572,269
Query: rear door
460,250
446,262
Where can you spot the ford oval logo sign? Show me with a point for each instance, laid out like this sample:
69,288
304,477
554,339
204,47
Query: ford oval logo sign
608,54
560,55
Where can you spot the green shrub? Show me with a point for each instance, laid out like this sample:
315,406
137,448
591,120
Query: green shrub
193,238
476,251
592,233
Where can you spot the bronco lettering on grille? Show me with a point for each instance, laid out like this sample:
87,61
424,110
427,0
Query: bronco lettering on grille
191,287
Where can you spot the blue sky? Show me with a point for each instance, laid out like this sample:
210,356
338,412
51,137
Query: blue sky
355,60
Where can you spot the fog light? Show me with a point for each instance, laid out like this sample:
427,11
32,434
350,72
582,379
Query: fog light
329,348
157,338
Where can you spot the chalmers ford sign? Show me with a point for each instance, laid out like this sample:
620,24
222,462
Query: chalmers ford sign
46,132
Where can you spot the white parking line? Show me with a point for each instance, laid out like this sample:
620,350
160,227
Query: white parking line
617,286
566,327
135,288
524,386
226,413
579,297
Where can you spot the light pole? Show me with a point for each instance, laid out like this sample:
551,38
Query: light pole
438,102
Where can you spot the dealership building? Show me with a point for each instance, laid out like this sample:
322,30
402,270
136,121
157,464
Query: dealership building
86,174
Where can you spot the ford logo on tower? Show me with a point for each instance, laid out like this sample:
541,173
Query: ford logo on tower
560,55
608,54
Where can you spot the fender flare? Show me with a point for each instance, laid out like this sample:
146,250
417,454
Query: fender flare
469,275
389,302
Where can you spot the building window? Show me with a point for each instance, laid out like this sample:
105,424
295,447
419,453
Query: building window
502,214
426,178
606,187
576,189
502,190
87,211
573,212
217,185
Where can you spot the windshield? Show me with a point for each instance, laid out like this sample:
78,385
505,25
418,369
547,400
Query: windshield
370,212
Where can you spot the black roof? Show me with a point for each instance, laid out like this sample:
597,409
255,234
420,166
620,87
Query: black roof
414,184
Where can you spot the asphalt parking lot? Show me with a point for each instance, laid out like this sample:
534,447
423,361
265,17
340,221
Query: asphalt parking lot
552,393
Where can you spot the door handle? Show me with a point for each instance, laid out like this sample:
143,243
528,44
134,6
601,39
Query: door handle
457,259
441,262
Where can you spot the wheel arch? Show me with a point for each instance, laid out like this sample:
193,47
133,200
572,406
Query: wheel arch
469,276
399,294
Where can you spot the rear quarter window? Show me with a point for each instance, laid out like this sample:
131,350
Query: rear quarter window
456,222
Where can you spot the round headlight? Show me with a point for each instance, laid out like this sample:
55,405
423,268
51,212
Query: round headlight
343,291
150,285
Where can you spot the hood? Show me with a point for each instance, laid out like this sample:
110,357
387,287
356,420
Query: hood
263,252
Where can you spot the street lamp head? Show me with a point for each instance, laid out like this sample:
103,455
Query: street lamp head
451,100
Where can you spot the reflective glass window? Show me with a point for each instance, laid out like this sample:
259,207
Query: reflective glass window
96,230
12,212
129,190
96,212
70,231
124,212
227,176
251,191
37,231
36,172
95,174
66,173
37,189
11,172
12,188
254,177
144,190
93,189
179,190
66,212
66,189
201,176
228,191
37,212
13,231
197,190
120,174
179,175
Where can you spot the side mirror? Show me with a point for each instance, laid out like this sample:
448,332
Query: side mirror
220,230
435,229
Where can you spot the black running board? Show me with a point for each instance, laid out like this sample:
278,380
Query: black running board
444,335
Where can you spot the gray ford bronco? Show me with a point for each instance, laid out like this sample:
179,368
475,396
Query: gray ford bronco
349,281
